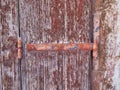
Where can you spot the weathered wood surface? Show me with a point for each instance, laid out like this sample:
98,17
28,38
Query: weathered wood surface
9,77
55,21
107,72
0,53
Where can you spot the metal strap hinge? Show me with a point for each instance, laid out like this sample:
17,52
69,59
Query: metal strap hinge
58,47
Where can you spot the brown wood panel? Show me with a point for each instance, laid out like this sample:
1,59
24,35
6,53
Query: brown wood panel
9,31
55,21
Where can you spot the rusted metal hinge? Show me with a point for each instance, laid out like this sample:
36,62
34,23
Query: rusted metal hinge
58,47
49,46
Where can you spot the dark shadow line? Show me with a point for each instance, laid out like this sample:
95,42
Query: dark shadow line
19,35
92,41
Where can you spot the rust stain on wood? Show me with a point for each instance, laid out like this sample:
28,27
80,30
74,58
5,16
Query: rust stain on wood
56,21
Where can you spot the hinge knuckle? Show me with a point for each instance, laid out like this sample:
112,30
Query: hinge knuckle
19,48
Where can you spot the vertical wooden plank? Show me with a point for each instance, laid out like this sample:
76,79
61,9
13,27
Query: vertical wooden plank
107,73
32,31
0,73
1,58
110,43
9,27
78,30
55,21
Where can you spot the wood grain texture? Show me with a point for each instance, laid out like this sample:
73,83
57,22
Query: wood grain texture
0,52
110,42
9,32
55,21
107,74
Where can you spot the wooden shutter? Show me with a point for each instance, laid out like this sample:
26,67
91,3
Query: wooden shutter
55,21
